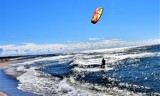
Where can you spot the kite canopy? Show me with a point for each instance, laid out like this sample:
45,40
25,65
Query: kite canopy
97,14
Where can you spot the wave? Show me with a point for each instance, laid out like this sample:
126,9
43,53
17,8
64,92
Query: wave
123,74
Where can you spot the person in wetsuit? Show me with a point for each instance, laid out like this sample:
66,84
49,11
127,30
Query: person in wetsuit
103,63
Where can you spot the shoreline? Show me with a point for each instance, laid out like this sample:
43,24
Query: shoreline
4,63
2,94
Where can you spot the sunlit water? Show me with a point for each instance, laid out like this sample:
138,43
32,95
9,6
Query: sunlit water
128,72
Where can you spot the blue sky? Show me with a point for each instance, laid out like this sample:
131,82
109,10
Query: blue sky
59,21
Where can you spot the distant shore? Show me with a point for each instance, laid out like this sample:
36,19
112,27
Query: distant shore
4,62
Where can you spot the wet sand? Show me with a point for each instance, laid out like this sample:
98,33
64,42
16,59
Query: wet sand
4,63
2,94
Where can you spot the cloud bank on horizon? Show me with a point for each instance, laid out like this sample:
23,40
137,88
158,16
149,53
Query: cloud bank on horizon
33,49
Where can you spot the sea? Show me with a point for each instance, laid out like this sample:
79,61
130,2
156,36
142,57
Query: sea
129,71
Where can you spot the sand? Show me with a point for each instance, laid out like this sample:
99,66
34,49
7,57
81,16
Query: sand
4,63
2,94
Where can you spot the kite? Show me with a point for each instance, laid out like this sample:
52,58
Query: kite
97,14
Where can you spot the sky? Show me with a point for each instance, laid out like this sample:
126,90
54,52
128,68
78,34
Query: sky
69,21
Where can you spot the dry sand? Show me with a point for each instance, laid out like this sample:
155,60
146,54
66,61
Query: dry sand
7,61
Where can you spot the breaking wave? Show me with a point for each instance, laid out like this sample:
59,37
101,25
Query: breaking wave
128,72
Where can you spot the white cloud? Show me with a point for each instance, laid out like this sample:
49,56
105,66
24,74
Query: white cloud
93,39
31,48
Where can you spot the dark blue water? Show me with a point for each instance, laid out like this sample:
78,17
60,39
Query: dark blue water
59,70
144,72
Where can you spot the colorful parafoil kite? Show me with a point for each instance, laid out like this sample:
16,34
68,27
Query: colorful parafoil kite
97,14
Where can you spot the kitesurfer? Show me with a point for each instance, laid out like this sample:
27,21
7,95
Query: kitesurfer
103,63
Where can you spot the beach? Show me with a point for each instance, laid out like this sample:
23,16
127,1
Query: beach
4,63
2,94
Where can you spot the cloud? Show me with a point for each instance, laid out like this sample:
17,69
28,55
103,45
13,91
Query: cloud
93,39
31,48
